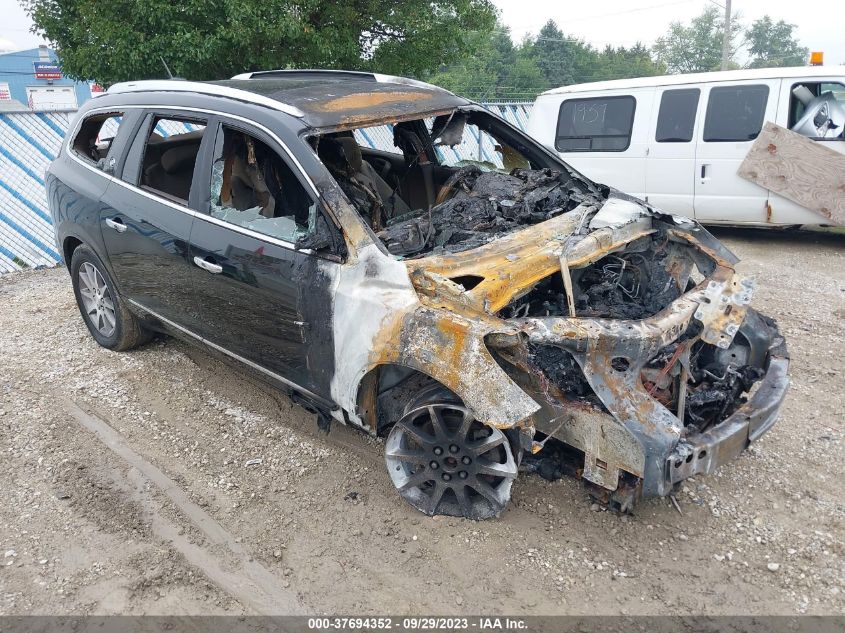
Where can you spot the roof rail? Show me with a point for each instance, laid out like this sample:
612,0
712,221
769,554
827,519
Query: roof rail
318,73
176,85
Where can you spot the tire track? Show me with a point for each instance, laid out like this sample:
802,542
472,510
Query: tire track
245,579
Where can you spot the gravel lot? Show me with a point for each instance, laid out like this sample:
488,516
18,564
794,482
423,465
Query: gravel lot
128,484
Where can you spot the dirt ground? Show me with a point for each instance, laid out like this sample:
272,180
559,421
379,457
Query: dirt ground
128,484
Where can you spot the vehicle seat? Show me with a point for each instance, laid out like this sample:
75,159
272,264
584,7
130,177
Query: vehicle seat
173,172
244,187
367,175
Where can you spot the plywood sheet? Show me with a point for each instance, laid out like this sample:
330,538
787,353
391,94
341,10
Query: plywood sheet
804,171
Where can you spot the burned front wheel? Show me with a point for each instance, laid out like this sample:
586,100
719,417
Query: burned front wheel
444,461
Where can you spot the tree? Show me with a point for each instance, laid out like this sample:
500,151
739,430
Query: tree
209,39
697,47
499,70
773,44
496,70
563,59
621,63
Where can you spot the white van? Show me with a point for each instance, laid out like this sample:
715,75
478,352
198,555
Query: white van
676,141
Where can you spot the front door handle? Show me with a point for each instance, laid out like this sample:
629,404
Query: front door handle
116,224
207,265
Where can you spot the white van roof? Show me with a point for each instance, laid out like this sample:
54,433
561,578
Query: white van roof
697,78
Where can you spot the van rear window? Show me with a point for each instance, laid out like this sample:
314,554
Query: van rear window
600,124
676,117
735,113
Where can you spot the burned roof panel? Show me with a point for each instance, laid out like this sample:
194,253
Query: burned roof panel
334,103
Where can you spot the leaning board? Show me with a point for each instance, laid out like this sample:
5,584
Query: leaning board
804,171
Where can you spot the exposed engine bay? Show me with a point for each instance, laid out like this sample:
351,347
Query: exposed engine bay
636,283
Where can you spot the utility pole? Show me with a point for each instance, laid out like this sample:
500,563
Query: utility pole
726,36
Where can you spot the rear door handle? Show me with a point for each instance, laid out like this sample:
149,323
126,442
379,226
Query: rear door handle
207,265
704,172
116,224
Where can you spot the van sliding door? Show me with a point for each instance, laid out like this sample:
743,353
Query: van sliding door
670,164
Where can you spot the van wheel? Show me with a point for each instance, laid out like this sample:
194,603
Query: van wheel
444,461
104,312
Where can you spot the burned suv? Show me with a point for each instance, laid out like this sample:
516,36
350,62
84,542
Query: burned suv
405,261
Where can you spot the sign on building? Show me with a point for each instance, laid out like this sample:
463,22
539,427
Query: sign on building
5,95
41,98
47,70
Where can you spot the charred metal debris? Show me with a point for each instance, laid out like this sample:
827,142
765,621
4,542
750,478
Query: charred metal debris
484,205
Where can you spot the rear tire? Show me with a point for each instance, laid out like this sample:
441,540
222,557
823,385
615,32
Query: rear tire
104,312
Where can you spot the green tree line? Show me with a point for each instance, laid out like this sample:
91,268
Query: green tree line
504,71
457,44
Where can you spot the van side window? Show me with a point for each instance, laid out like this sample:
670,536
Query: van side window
170,156
735,113
93,141
815,94
599,124
676,117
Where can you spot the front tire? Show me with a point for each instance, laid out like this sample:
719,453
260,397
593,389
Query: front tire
105,314
444,461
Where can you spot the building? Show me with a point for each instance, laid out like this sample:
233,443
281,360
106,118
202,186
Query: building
31,80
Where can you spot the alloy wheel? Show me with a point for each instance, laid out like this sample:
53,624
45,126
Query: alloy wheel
97,299
443,461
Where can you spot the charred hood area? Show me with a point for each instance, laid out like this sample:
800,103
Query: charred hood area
481,206
635,283
632,284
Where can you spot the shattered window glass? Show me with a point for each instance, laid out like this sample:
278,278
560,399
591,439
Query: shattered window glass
601,124
252,187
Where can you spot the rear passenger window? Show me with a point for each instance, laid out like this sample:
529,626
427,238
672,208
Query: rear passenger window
95,136
595,125
170,156
676,117
735,113
254,188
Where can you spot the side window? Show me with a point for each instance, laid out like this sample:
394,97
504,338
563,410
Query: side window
826,100
676,117
170,155
601,124
93,141
735,113
252,186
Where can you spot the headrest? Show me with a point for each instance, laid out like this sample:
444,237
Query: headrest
351,152
178,158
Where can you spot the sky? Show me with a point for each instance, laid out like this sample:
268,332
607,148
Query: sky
820,24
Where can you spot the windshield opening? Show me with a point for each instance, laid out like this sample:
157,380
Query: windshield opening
449,183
